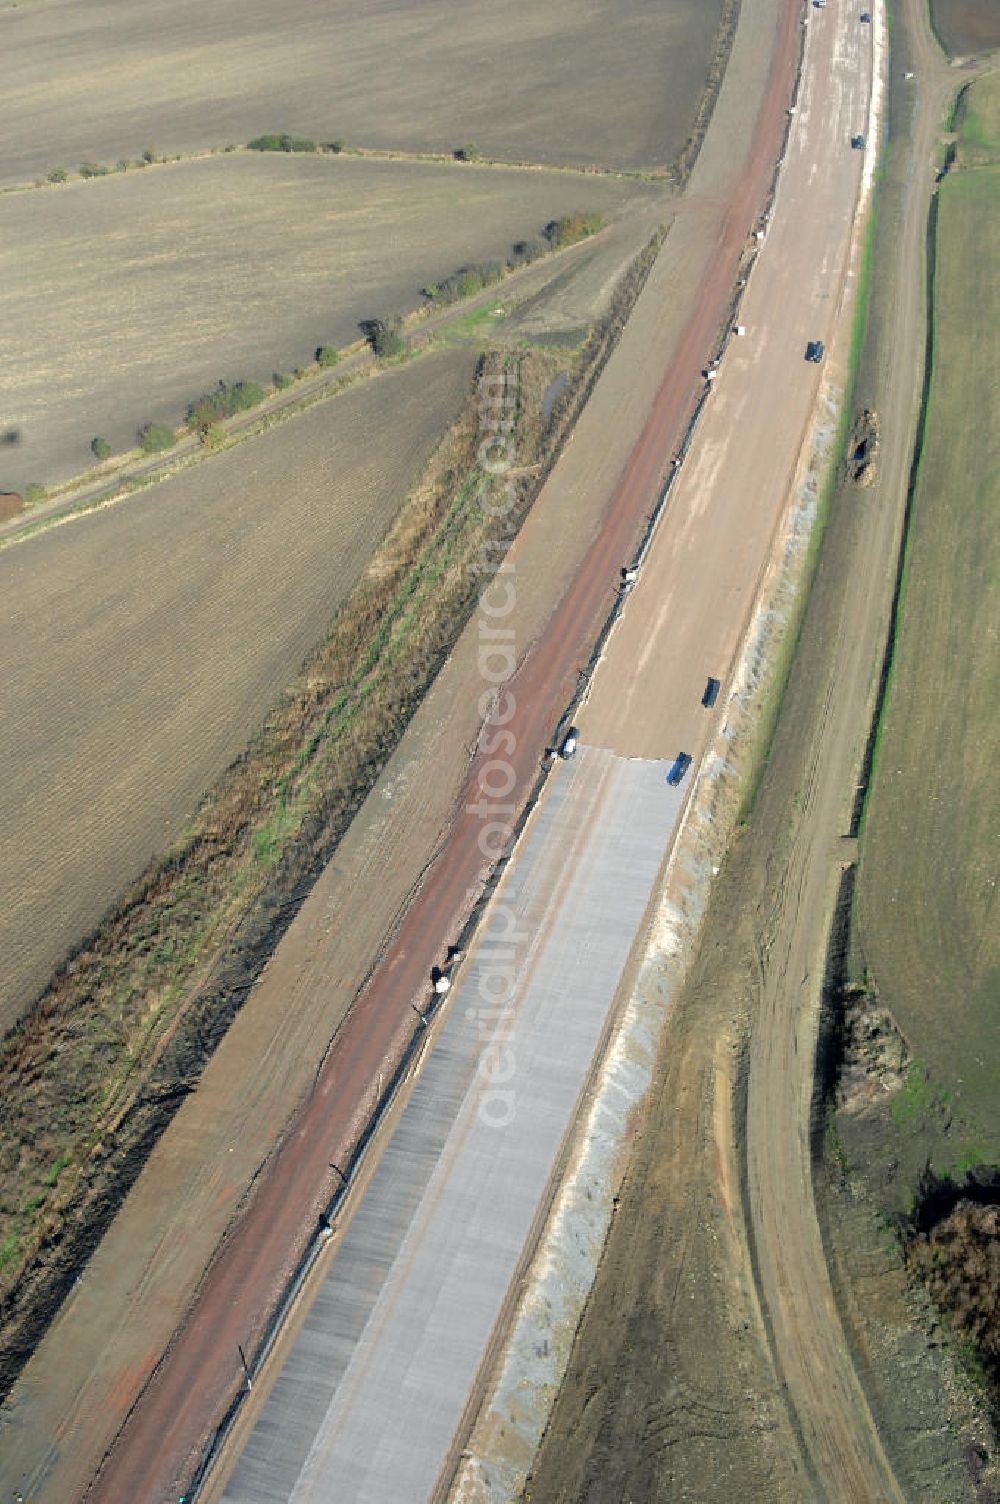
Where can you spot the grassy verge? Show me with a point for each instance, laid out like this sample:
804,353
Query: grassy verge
926,897
919,1106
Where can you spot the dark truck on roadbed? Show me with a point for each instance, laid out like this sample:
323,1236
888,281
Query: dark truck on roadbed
678,768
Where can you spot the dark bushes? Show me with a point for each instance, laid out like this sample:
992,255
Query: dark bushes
155,438
385,335
571,228
229,398
466,281
557,234
283,142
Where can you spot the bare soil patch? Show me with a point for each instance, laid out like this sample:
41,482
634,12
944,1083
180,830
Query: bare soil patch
123,298
162,629
920,1381
861,459
104,83
966,26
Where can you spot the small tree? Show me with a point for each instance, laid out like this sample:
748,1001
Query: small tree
572,227
336,147
327,355
149,155
467,153
57,174
524,251
100,447
155,438
386,336
202,413
282,379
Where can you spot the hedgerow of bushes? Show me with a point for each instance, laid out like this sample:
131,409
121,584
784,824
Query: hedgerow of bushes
558,234
228,399
206,414
284,142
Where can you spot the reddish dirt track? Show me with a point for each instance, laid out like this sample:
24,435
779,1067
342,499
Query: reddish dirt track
161,1443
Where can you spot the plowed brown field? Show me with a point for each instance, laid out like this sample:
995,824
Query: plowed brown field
108,79
966,25
146,642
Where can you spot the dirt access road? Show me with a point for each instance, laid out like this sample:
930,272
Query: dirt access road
97,1361
712,1354
845,1459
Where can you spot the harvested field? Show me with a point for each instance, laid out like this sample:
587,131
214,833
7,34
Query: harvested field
100,81
927,899
125,297
147,641
966,26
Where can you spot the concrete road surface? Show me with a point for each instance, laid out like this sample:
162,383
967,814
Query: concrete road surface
373,1391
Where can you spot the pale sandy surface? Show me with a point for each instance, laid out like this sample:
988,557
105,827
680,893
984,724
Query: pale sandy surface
108,78
691,606
110,1333
145,643
124,298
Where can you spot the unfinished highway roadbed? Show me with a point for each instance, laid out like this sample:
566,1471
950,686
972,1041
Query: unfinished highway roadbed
375,1386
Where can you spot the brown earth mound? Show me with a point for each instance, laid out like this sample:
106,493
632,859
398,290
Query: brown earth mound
862,448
